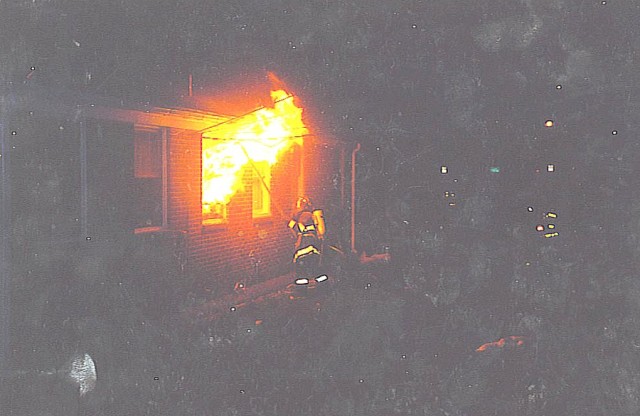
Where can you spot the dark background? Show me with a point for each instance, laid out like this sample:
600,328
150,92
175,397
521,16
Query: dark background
466,84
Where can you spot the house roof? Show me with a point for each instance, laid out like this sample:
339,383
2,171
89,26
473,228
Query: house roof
74,105
157,116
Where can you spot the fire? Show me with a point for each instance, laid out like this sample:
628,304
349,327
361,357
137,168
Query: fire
260,136
512,341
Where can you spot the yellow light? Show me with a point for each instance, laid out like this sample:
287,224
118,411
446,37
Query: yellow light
548,123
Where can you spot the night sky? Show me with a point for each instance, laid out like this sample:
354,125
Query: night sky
465,84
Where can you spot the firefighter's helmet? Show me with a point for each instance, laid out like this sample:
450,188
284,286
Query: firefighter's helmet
304,202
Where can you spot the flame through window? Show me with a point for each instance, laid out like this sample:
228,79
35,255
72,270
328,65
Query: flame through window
255,140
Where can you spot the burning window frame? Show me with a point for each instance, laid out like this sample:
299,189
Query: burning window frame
261,185
238,138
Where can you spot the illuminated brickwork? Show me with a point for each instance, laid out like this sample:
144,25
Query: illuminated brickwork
242,248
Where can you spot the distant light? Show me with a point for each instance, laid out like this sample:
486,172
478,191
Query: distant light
551,168
530,209
551,215
302,281
614,132
232,309
548,123
551,226
549,235
494,169
527,263
443,169
13,133
361,381
558,87
539,227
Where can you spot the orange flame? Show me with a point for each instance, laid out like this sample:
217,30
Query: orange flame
512,341
260,136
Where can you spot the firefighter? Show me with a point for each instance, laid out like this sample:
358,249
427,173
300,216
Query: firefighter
307,225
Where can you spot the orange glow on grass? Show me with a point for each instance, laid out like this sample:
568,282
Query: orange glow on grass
260,136
512,341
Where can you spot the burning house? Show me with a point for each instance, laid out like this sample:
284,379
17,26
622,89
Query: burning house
184,191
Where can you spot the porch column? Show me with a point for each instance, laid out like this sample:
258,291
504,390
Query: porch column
83,181
5,255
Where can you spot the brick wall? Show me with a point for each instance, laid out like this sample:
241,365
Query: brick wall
243,248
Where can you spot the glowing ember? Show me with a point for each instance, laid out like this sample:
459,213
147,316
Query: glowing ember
512,341
258,137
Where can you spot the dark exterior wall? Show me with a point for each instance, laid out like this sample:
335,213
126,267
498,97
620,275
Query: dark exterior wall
184,172
45,191
324,182
110,180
